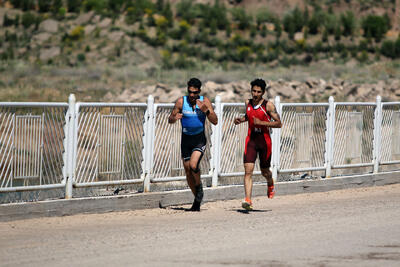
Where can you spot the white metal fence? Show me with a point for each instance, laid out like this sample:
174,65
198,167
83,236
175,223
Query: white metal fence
53,145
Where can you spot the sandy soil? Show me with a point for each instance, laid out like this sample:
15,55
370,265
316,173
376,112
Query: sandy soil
353,227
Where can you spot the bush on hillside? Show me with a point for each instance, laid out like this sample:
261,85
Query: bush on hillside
388,49
243,20
7,21
348,21
293,21
95,5
28,19
375,26
25,5
55,7
44,5
74,5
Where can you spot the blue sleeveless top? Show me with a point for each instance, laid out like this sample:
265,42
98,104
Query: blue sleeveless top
192,120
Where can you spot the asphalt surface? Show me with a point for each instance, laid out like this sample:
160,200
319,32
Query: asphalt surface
350,227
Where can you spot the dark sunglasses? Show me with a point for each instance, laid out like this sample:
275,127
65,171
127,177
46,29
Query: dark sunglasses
193,92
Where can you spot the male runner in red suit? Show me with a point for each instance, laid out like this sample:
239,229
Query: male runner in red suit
261,115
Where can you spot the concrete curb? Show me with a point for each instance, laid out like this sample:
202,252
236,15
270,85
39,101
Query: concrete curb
62,207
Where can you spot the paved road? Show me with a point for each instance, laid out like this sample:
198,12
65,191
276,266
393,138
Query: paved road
353,227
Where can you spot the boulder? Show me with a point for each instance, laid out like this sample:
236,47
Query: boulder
49,25
89,29
84,18
116,36
41,37
105,23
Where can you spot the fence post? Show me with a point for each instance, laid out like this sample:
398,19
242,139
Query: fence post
148,142
330,137
217,142
377,133
276,143
70,146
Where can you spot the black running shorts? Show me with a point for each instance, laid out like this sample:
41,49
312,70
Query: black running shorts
190,143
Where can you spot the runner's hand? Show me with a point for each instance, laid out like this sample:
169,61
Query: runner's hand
237,121
178,116
202,105
257,121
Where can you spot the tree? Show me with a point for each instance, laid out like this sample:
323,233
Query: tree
376,26
44,5
74,5
348,22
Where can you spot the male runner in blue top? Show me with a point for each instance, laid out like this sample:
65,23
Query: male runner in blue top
193,110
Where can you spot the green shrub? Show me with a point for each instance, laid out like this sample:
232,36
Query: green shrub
348,21
7,21
278,28
187,11
55,7
25,5
81,57
161,22
243,53
241,18
314,24
293,21
167,13
28,19
263,31
375,26
74,5
77,33
115,6
95,5
61,12
44,5
183,62
363,58
388,49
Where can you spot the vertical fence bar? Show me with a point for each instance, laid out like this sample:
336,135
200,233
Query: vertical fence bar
217,142
330,136
276,143
377,133
70,145
148,144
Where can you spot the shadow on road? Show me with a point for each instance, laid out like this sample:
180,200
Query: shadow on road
248,211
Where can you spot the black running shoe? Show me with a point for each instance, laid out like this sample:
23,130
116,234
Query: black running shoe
195,206
199,193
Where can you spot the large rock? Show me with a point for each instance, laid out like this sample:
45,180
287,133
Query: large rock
105,23
84,18
41,37
89,29
116,36
49,25
49,53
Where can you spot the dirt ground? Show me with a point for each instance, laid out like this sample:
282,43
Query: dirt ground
352,227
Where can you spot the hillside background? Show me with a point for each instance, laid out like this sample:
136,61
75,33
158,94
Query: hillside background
124,50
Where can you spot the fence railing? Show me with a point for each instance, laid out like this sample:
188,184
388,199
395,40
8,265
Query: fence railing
55,145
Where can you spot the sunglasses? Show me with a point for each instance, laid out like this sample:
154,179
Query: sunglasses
193,92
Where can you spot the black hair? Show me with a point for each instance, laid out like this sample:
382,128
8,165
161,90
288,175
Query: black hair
259,82
194,82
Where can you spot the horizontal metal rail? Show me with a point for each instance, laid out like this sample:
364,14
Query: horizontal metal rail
32,188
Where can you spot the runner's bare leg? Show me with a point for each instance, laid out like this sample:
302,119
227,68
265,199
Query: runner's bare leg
248,182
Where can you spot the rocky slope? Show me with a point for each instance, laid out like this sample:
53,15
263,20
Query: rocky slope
312,90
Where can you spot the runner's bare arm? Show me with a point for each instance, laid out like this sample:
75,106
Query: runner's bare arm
176,113
207,108
271,110
239,120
